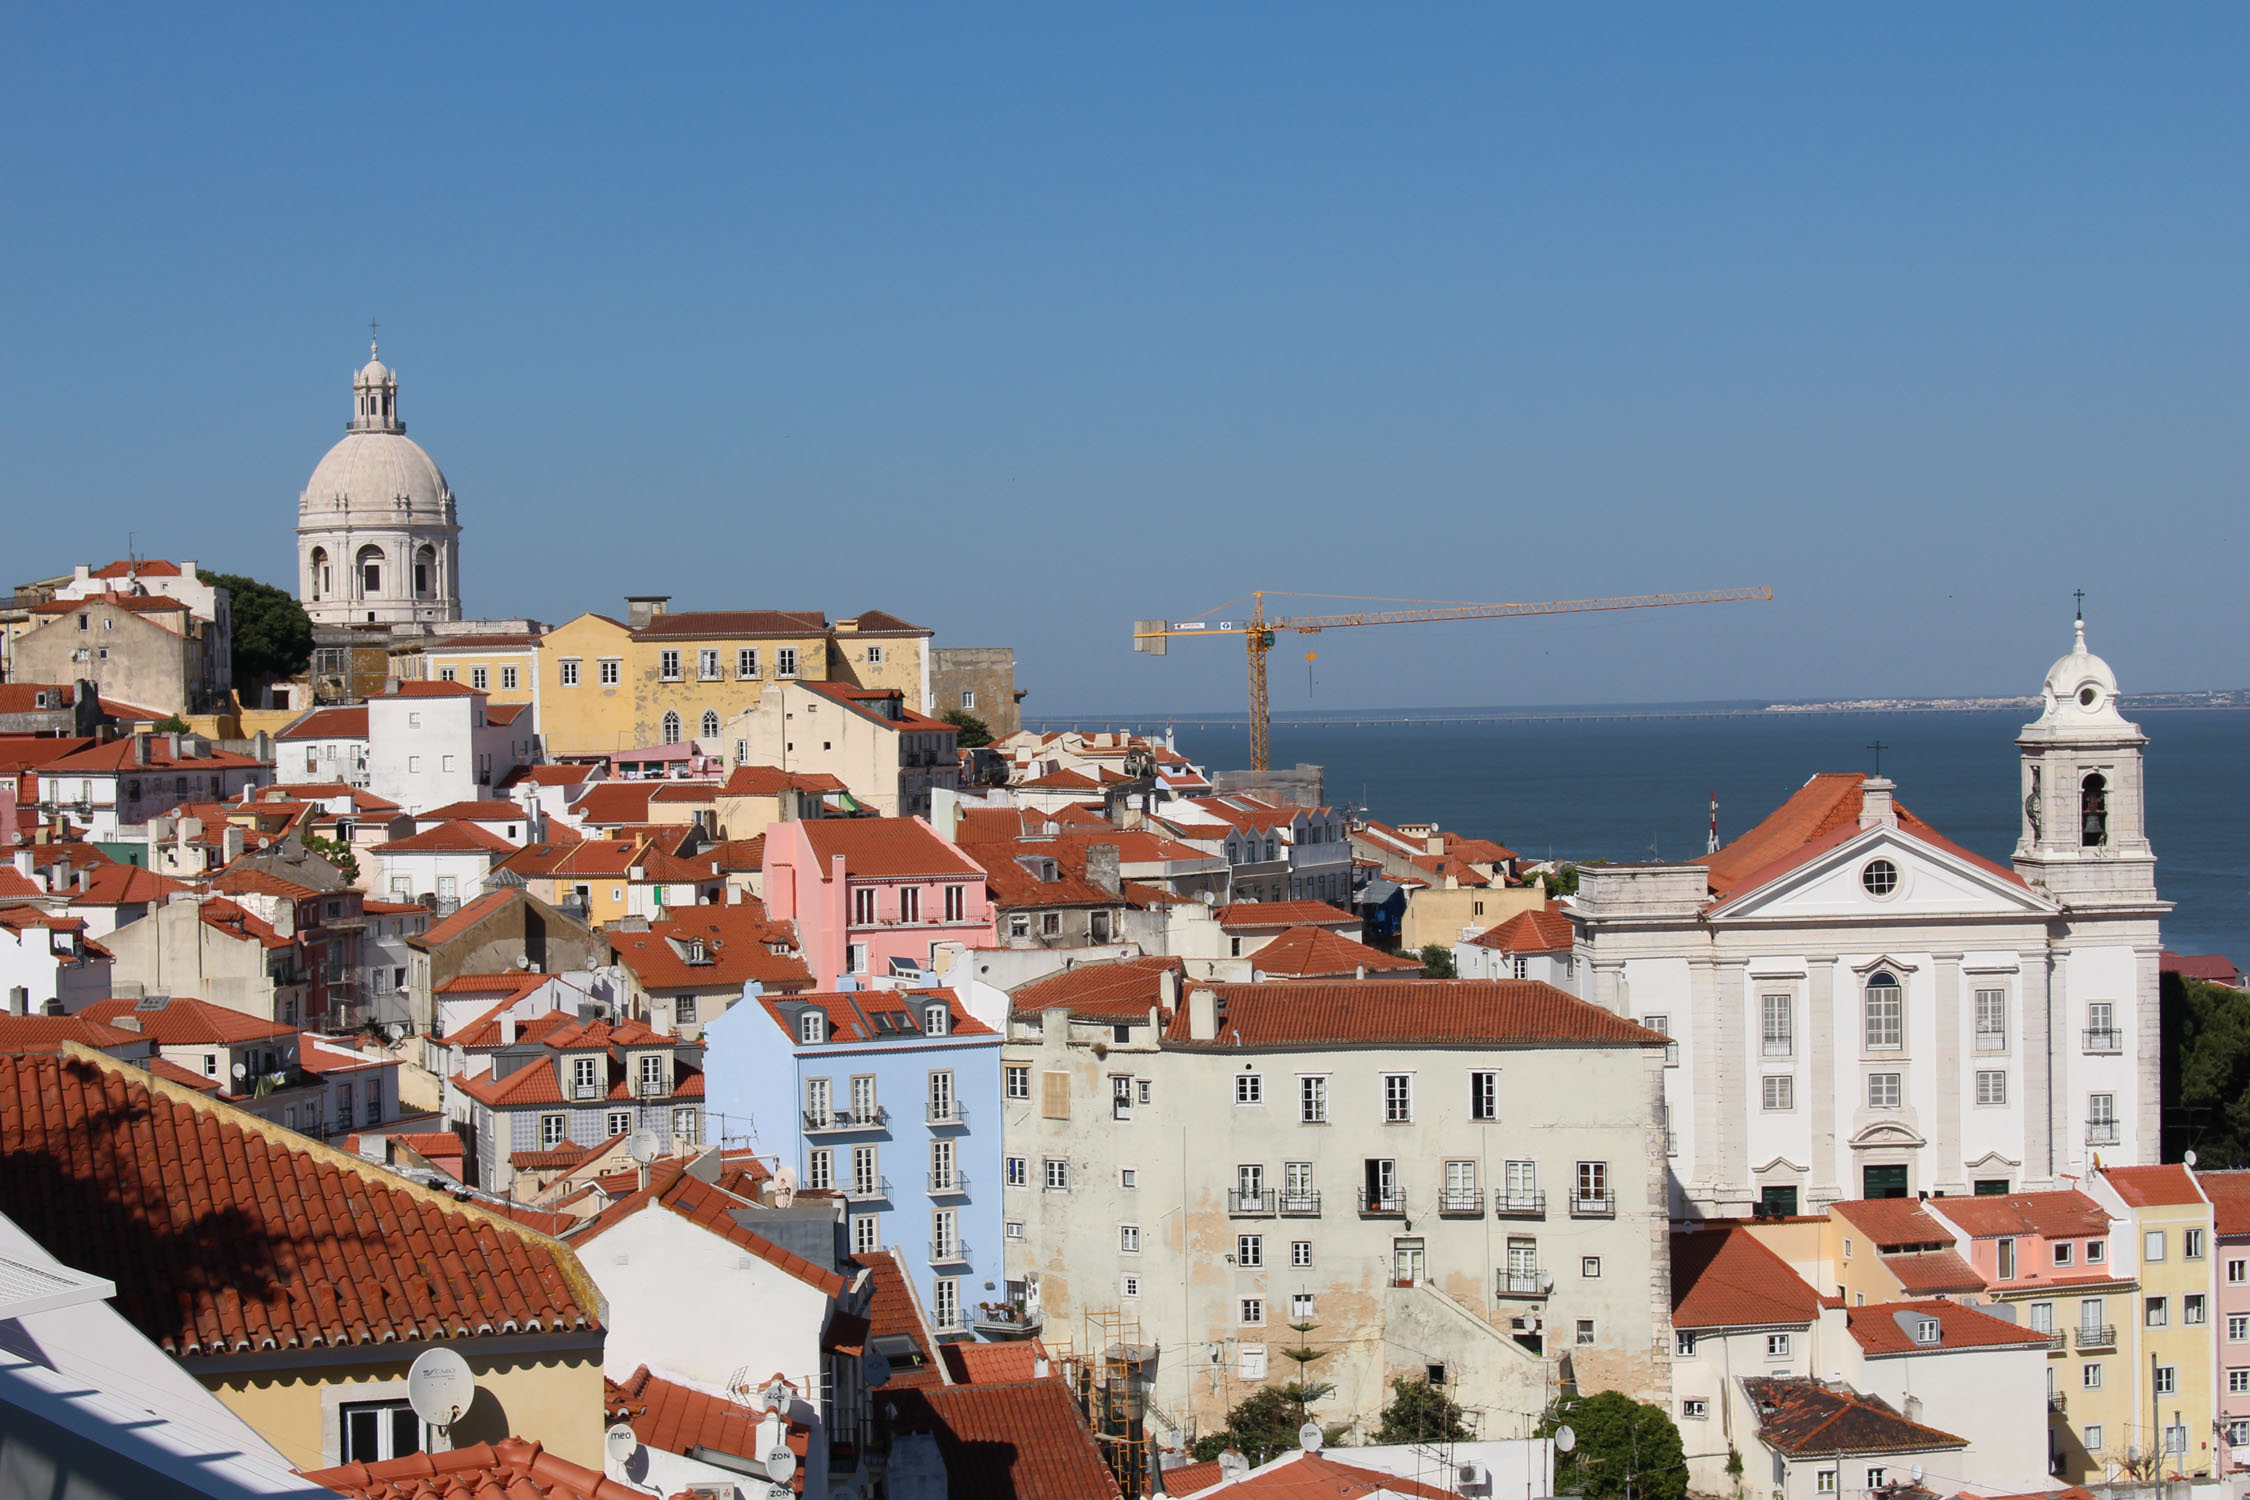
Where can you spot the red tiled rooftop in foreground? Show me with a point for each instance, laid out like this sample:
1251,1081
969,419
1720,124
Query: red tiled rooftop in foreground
1726,1278
1925,1273
677,1418
1430,1012
884,848
1246,914
511,1469
226,1234
2153,1187
1820,814
1545,931
1807,1417
2064,1215
1893,1221
1307,1476
2229,1193
1877,1329
1006,1442
1315,952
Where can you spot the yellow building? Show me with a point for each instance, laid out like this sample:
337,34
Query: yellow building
660,678
505,668
296,1282
2166,1234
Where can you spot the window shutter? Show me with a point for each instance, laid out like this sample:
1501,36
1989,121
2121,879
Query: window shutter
1054,1099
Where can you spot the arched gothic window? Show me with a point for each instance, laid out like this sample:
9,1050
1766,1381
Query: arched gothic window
319,571
710,723
1885,1011
370,571
2093,811
425,571
671,728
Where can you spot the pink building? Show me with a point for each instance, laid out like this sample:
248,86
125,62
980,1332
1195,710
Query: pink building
2229,1193
873,897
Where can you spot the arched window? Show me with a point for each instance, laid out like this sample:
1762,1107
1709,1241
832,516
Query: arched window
1885,1013
710,723
425,571
2093,811
671,728
370,571
319,570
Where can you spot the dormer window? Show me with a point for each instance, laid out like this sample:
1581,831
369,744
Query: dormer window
935,1019
695,953
812,1027
1927,1331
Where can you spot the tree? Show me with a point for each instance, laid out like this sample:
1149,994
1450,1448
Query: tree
337,853
272,636
1421,1413
1563,880
1625,1447
2207,1071
1262,1425
975,733
1437,962
170,724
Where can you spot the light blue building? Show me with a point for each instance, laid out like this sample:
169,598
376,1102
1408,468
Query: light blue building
890,1098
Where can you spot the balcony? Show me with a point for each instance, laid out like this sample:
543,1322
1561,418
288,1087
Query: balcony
2102,1132
2104,1039
1300,1205
2097,1338
1387,1204
1006,1320
2057,1341
2057,1403
864,1189
952,1185
1992,1041
1593,1205
1507,1205
838,1120
1520,1281
1257,1205
1460,1204
952,1252
945,1114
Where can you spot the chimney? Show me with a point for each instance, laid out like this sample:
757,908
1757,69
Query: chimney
1875,807
642,608
230,843
127,1023
1168,988
140,749
1101,867
187,568
83,573
24,858
85,878
507,1030
1203,1014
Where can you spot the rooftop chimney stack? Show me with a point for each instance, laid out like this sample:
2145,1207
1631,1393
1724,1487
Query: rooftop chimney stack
1876,810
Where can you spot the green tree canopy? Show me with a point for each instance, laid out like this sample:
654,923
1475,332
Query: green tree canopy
2207,1067
1437,962
975,733
1621,1443
1262,1425
272,637
1421,1413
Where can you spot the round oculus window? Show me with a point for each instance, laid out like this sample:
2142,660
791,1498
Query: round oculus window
1879,878
2089,696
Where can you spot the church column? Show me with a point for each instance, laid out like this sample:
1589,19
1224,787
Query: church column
1733,1095
2046,1116
1607,977
2148,1054
1705,1064
1820,1079
1945,1158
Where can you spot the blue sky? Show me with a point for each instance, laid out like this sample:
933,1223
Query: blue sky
1025,322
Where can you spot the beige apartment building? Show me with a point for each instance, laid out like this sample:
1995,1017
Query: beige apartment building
870,739
1461,1181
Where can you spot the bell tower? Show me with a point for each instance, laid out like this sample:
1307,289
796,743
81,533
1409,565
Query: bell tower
2084,834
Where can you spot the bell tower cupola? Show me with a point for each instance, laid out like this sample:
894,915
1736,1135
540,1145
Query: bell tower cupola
2084,834
375,397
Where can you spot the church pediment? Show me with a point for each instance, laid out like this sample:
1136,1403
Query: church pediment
1993,1161
1884,874
1887,1133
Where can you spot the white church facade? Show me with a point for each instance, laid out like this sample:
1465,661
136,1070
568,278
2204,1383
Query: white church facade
1862,1008
378,542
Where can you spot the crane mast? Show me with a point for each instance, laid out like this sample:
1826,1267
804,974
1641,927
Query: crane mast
1257,631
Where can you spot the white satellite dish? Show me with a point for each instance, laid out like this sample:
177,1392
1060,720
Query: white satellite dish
440,1386
1310,1437
1916,1472
780,1464
784,1187
644,1147
240,1071
1565,1440
2188,1158
621,1443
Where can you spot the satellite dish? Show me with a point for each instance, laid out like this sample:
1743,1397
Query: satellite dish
240,1071
440,1386
1310,1437
784,1187
2189,1158
644,1147
1916,1472
780,1464
1565,1440
621,1443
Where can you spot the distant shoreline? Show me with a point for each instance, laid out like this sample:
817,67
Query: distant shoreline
1367,718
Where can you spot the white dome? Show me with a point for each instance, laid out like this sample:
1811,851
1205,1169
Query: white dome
2079,695
374,372
372,473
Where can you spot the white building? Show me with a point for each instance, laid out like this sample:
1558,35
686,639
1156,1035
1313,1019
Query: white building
47,960
1864,1009
377,539
431,743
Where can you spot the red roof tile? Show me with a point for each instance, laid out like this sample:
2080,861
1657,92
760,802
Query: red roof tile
735,622
24,1035
182,1021
148,604
1726,1278
885,848
1877,1329
511,1469
1422,1012
2166,1186
1127,986
1538,931
227,1234
1007,1442
431,688
2229,1193
714,1209
735,947
1316,953
124,885
466,916
449,838
677,1418
894,1313
120,755
1819,815
1807,1417
1244,914
1317,1476
1926,1273
771,781
2065,1215
1892,1222
329,724
995,1364
137,567
482,810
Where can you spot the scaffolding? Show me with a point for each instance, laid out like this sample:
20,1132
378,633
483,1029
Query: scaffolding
1109,1372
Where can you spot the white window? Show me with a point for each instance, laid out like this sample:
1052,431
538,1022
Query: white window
2191,1244
746,662
2092,1435
413,765
1018,1173
2167,1380
619,1122
1778,1025
2194,1308
1014,1229
1128,1177
2156,1312
1883,1091
2101,1119
1250,1249
867,1234
2238,1382
1777,1346
1249,1088
2152,1245
2238,1328
1885,1007
1694,1409
2063,1251
1312,1099
1398,1098
1779,1091
1590,1266
1300,1254
1992,1086
1484,1095
1129,1239
812,1027
1992,1020
668,665
1253,1311
1300,1307
1585,1330
1683,1345
375,1431
968,698
2090,1377
569,670
612,670
445,763
1019,1081
1058,1175
479,678
1129,1287
820,1168
785,661
507,679
874,656
867,1179
550,1132
707,663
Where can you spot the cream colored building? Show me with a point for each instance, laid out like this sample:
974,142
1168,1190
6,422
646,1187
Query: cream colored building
1463,1180
891,757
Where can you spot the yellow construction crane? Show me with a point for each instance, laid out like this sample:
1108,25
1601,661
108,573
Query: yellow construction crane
1257,630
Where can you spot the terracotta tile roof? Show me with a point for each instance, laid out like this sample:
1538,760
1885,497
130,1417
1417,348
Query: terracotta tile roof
1893,1223
850,1015
1007,1442
880,622
685,791
482,810
1317,1476
610,802
1188,1479
483,1033
146,567
16,887
739,855
2167,1186
1061,780
556,859
2065,1215
564,775
1541,931
884,848
226,1234
771,781
1727,1278
1877,1329
466,916
2229,1193
432,688
511,1469
1819,815
1408,1012
995,1364
24,1035
23,697
329,724
2216,968
449,838
1316,953
1125,986
1250,819
676,1418
242,880
1246,914
501,715
735,622
453,643
714,1209
123,885
512,984
172,1072
894,1314
1015,887
883,707
374,908
1807,1418
736,948
118,756
1924,1273
182,1021
140,604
